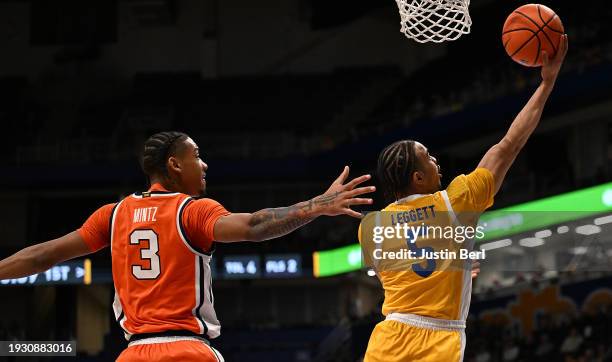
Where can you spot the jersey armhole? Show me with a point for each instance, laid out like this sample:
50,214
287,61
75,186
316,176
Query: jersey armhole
449,208
181,231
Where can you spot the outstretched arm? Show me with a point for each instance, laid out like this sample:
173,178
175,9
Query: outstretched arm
475,268
272,223
40,257
501,156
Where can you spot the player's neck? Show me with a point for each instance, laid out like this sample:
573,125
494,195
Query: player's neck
165,183
414,191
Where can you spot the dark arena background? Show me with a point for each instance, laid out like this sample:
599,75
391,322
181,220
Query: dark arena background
280,95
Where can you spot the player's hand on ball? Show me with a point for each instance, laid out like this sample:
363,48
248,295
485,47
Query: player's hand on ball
339,198
551,67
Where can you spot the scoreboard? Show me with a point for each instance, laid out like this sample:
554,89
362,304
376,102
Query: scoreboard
250,266
241,267
283,266
73,272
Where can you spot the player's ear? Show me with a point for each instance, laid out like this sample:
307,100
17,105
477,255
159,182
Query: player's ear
174,164
418,178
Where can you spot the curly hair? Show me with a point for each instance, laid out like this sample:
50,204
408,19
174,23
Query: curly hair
157,149
396,164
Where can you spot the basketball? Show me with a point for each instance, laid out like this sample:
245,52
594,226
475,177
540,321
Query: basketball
528,31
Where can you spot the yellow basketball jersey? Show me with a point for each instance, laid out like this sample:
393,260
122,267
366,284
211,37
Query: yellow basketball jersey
428,288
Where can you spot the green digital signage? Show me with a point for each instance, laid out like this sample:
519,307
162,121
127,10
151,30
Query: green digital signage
499,223
546,212
336,261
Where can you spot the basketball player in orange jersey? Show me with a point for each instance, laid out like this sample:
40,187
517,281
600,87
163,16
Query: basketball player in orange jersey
161,243
426,307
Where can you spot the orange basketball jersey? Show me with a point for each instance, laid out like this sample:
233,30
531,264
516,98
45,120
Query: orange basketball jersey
162,279
161,282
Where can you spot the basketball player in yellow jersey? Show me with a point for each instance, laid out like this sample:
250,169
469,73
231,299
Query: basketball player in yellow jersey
426,307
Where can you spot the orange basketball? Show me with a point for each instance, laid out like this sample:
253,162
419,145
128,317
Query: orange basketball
528,31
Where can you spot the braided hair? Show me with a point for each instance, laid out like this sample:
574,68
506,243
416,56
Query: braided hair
396,164
157,149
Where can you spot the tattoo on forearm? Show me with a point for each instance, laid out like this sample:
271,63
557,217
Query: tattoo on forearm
325,200
272,223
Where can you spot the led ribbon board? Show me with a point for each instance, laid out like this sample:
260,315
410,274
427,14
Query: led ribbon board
499,223
241,267
72,272
283,266
546,212
336,261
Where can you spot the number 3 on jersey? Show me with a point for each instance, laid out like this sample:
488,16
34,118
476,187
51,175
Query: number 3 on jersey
150,253
421,271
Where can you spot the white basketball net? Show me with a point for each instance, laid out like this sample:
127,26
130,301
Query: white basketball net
434,20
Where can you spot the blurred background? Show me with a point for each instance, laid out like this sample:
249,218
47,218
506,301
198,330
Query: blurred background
279,95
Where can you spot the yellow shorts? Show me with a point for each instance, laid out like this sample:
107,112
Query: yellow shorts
395,341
